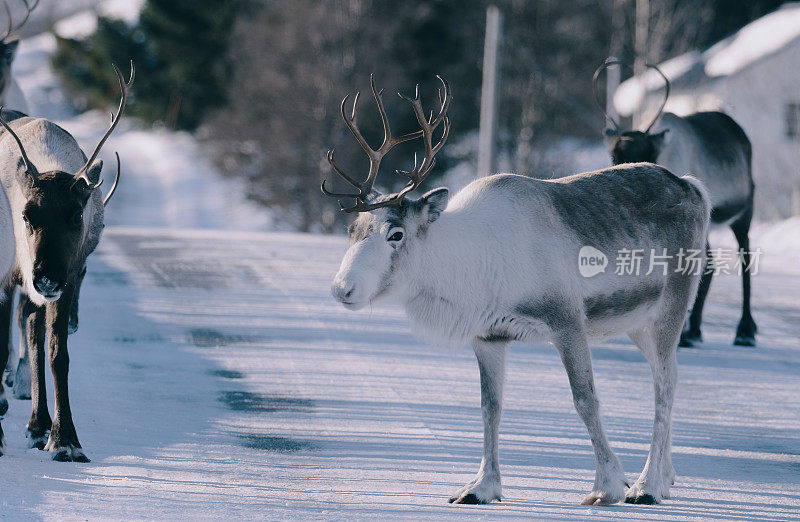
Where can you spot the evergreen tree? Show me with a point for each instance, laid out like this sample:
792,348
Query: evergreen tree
180,49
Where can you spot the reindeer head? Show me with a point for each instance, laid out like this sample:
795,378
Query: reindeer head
55,210
631,146
387,226
9,43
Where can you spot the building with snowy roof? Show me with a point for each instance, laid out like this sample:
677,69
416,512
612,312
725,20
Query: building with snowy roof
752,75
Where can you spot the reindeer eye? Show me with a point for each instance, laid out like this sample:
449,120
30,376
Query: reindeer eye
395,235
77,218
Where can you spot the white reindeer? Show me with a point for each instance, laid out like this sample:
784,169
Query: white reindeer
57,218
11,97
499,263
7,260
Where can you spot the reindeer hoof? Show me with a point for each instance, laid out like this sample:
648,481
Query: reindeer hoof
481,491
641,499
690,339
744,340
37,441
68,454
467,499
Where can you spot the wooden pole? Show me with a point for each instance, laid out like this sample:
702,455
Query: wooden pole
641,34
488,118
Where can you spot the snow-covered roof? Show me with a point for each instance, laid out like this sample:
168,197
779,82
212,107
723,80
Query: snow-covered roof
756,40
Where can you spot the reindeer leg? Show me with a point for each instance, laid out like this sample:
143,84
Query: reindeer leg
73,311
746,330
22,379
659,342
40,415
485,487
5,336
649,490
2,440
609,483
692,334
63,441
8,294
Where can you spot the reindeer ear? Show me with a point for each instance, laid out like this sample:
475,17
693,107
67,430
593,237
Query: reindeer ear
25,180
433,203
659,139
94,171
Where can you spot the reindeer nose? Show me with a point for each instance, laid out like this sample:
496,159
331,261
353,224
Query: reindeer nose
46,286
342,291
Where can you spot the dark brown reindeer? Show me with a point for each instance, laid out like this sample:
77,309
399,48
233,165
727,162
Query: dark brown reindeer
57,215
712,147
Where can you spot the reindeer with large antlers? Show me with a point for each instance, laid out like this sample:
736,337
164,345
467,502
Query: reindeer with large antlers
57,215
11,95
501,262
715,149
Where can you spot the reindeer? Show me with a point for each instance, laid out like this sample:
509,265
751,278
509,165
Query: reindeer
498,263
20,378
11,96
10,93
713,147
57,220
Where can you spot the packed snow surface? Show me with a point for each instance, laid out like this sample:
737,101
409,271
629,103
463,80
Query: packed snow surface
213,376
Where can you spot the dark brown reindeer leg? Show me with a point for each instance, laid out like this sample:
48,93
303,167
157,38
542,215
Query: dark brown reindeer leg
63,441
746,331
5,336
40,416
692,335
73,313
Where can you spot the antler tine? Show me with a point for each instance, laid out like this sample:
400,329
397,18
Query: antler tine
353,126
339,171
389,140
608,63
666,96
124,87
10,21
421,171
114,186
29,167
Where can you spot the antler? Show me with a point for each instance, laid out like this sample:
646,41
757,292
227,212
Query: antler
608,63
114,186
124,87
418,174
30,169
666,97
11,27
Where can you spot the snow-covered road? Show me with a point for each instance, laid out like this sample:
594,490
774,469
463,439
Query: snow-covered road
213,377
